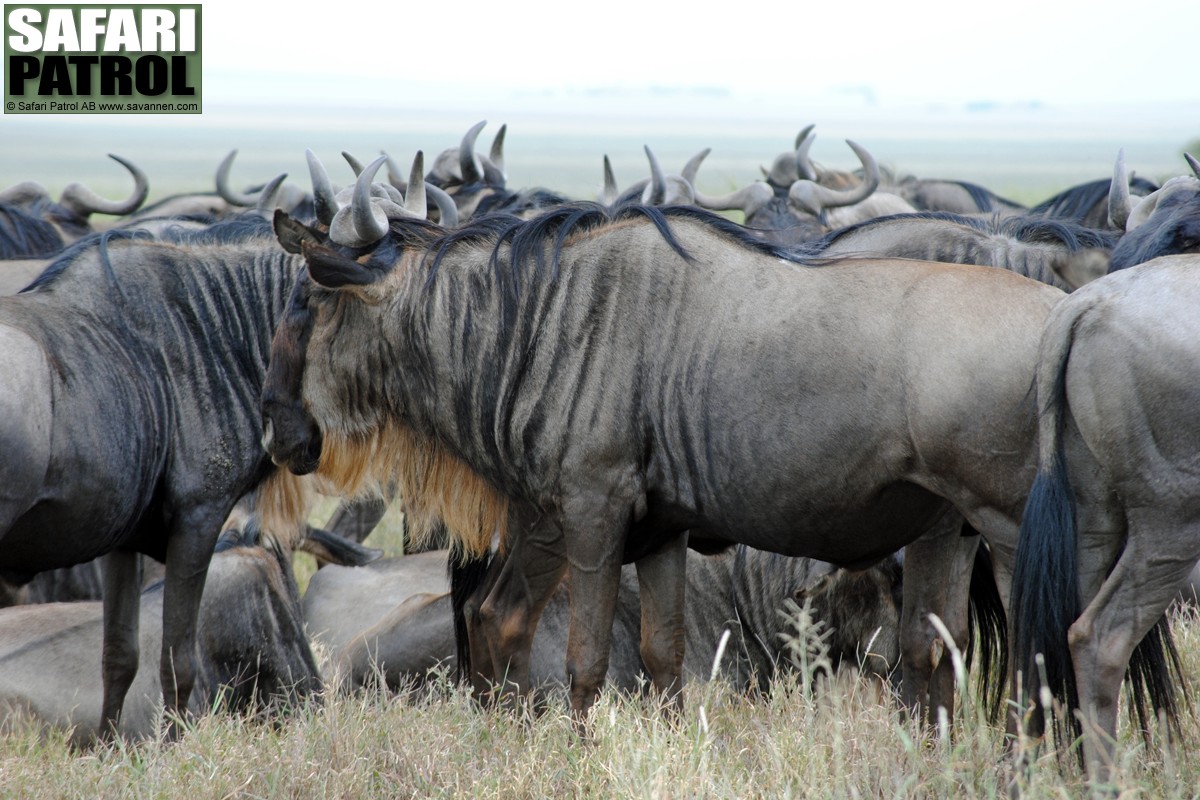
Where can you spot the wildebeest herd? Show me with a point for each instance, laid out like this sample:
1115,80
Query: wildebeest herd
886,374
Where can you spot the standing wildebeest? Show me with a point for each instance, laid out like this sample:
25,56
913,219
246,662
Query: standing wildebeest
636,374
253,651
131,414
134,370
1112,528
1061,254
741,590
32,225
804,209
1164,222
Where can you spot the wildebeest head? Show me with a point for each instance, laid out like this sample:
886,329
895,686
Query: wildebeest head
1164,222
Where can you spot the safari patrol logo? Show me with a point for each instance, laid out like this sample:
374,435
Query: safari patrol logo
129,59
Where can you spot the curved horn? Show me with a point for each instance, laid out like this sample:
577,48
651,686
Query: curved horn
656,192
223,189
802,135
804,166
414,200
610,192
357,225
354,163
468,165
1120,204
369,227
496,154
445,205
24,192
693,166
748,199
324,203
812,197
83,201
1193,163
266,198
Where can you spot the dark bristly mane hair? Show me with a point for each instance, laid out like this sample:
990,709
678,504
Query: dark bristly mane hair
527,239
26,235
1024,228
1074,203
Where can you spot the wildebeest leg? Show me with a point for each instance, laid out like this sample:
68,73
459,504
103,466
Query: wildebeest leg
122,574
662,581
189,551
532,570
937,580
1159,553
594,552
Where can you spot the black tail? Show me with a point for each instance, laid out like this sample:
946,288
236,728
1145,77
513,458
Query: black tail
1154,672
467,577
1045,588
989,623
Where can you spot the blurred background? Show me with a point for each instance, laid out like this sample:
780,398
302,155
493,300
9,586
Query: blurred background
1025,98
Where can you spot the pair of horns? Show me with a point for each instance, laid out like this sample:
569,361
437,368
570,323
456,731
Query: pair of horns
364,220
82,201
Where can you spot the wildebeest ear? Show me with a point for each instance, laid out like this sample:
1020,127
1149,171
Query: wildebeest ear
291,232
333,270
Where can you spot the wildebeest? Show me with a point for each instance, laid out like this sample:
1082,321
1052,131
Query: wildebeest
32,225
135,369
1164,222
1112,527
1061,254
253,652
804,209
1091,204
742,590
634,374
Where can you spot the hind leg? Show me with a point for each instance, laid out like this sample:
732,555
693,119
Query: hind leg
662,581
1159,553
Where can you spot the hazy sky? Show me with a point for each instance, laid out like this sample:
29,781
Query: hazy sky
922,51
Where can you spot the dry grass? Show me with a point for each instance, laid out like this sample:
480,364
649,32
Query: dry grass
840,740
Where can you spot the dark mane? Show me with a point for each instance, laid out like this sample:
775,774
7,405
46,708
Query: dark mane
1047,230
1074,203
527,239
26,235
1025,228
231,231
984,199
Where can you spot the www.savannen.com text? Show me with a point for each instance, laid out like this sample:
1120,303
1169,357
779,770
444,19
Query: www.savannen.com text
104,106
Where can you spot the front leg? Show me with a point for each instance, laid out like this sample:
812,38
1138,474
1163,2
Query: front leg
594,528
122,575
531,572
189,551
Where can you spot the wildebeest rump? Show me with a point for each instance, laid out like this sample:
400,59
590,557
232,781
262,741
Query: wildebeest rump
1112,528
742,590
253,651
134,370
637,374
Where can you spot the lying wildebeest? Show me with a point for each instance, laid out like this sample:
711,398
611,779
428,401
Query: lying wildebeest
32,225
633,375
253,652
1112,527
135,371
741,590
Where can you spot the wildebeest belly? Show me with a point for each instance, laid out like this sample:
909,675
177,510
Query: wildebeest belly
852,531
